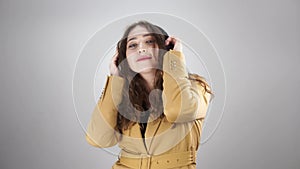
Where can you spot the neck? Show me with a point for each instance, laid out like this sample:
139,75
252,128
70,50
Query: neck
149,77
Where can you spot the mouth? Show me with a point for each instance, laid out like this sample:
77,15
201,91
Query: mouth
143,58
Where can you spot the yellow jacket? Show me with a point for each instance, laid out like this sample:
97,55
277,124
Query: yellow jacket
170,142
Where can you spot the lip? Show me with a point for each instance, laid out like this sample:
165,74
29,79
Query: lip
143,58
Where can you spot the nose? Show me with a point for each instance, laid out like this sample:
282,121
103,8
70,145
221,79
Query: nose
141,48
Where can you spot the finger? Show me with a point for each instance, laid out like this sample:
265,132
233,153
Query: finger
172,40
115,57
167,41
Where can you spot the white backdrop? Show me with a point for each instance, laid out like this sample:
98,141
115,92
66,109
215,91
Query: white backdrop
257,41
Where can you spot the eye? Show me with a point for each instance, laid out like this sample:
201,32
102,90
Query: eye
150,41
132,46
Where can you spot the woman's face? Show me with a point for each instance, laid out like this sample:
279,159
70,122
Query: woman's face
141,50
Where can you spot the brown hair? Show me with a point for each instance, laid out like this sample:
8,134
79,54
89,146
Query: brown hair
135,106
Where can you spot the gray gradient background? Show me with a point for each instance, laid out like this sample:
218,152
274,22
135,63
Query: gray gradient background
258,42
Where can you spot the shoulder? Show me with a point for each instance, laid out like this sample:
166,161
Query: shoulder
202,85
195,78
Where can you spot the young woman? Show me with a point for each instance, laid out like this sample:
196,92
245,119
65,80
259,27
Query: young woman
151,106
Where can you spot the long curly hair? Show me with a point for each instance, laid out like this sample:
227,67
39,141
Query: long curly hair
136,105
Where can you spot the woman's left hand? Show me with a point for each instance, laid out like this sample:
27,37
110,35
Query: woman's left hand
176,42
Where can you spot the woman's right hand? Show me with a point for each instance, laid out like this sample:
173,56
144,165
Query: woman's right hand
113,68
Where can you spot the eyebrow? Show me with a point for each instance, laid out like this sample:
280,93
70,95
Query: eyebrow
148,34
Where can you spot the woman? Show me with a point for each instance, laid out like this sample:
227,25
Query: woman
150,106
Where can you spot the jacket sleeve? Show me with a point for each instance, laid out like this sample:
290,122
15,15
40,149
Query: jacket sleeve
184,100
100,130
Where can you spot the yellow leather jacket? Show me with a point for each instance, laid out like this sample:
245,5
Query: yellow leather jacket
170,142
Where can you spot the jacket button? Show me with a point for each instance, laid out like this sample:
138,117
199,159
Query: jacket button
173,64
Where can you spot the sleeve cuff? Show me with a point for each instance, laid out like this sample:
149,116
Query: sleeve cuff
174,64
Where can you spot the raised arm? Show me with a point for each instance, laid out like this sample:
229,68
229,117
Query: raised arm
100,130
184,99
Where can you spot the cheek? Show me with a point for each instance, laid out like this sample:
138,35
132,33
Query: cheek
155,52
131,60
129,53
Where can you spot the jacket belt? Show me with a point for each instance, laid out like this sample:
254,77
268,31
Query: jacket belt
164,161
